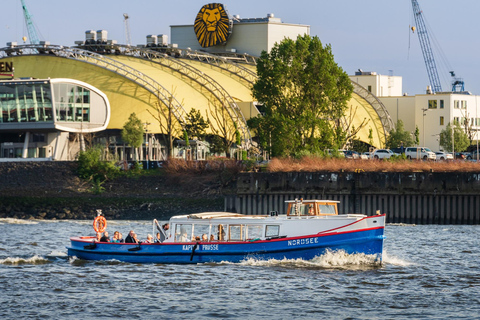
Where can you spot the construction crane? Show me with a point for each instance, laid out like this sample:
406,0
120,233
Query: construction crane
127,29
426,48
32,32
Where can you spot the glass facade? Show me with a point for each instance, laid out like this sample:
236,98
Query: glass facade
32,102
72,102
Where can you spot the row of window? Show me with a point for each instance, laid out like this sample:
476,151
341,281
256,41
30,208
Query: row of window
457,104
33,103
461,120
220,232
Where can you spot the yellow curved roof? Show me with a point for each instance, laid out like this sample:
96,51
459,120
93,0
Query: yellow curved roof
126,96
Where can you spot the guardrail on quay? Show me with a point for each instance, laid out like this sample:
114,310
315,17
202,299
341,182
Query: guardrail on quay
406,197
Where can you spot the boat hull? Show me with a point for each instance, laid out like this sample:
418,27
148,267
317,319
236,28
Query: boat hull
367,241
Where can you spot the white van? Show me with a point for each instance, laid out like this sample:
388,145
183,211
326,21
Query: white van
420,153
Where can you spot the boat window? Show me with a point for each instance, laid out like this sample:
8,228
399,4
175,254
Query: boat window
254,232
300,209
327,209
201,232
183,232
236,232
217,232
272,231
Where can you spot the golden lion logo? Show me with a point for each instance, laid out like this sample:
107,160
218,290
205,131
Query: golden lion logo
212,25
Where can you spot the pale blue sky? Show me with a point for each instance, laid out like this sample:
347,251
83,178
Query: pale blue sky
372,35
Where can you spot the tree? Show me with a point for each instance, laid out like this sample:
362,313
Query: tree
222,125
132,132
195,125
304,95
169,125
417,136
399,136
460,140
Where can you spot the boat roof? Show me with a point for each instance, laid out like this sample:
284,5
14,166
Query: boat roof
217,215
309,201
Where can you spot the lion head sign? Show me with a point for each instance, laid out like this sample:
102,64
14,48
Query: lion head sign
212,25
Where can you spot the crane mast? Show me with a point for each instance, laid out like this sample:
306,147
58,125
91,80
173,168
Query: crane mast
426,48
32,33
127,29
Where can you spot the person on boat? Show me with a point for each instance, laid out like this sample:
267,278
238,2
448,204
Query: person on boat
105,237
204,237
158,239
116,237
149,239
131,237
99,237
212,237
184,237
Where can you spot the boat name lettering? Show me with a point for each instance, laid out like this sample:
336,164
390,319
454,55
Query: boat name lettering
206,247
302,241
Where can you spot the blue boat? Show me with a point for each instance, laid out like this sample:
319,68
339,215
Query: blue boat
309,229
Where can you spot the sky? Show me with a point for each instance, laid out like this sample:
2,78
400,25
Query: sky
372,35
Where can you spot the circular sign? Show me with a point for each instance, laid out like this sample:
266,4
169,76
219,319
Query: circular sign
212,25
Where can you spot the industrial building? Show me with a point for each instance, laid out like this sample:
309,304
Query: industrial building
191,72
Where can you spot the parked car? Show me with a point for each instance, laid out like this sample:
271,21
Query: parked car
381,154
420,153
473,155
398,151
350,154
442,156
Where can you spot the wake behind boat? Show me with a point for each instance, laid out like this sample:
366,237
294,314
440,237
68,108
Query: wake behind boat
309,228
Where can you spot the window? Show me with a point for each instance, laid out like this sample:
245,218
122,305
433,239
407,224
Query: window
369,88
183,232
236,232
464,104
442,104
432,104
456,104
456,120
272,231
200,232
217,232
327,209
442,121
253,232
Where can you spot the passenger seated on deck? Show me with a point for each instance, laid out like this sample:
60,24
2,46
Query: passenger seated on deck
149,239
212,237
184,237
158,239
130,238
115,237
105,237
99,237
120,238
204,237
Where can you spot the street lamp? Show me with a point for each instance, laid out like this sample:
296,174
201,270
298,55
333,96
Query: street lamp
423,126
146,124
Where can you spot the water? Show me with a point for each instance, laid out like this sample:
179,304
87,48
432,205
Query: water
429,272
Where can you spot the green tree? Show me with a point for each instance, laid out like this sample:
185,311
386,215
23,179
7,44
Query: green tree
417,136
196,125
132,132
399,136
304,95
460,140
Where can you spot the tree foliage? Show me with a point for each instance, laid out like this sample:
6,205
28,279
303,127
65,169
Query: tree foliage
460,141
196,125
304,95
399,136
132,132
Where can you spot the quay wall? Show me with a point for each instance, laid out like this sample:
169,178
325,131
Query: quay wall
413,197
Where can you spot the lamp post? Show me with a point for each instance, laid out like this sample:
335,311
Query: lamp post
423,126
146,124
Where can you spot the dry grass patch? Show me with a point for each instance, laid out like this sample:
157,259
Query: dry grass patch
316,164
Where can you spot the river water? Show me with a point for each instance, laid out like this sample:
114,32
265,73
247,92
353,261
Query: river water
429,272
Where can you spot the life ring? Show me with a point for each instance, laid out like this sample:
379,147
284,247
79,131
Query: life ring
100,224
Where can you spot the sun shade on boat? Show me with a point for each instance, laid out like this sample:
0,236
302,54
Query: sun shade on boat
210,215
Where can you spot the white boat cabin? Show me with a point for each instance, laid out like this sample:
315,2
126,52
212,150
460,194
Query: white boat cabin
225,226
